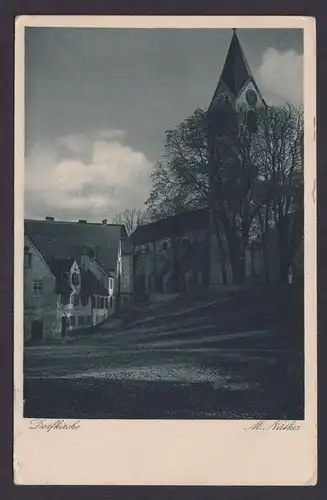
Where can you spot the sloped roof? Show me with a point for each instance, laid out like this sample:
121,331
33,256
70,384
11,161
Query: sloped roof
62,286
64,240
59,266
90,285
236,71
175,225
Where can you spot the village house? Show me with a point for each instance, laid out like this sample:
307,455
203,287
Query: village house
75,275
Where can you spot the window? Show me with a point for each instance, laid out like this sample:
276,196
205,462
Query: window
75,299
93,302
111,283
75,279
102,303
106,302
110,302
84,300
88,320
65,299
27,258
37,288
72,321
81,320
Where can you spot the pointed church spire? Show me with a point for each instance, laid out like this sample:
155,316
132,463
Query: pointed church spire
236,75
236,71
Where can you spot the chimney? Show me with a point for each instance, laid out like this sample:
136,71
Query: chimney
49,219
82,221
105,222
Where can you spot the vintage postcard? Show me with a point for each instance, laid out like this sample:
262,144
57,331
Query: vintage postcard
165,251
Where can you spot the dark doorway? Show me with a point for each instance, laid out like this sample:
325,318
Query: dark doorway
36,330
63,326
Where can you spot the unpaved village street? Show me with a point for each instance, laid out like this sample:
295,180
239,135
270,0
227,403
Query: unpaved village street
174,361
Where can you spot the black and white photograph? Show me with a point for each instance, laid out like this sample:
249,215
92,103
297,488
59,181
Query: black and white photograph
164,223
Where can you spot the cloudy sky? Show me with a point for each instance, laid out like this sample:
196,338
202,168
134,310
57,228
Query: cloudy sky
98,102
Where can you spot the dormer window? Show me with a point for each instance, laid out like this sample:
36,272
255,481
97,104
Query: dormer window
75,279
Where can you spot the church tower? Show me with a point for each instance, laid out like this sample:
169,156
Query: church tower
236,88
236,85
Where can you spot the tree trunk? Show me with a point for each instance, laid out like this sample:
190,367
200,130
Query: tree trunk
221,249
285,257
154,267
284,265
266,229
237,258
263,232
222,259
235,246
176,272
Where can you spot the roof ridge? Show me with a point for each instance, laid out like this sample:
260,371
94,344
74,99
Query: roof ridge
73,222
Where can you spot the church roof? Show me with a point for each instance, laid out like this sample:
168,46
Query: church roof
236,71
68,240
174,225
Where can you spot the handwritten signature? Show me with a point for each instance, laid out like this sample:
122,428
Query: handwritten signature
60,425
277,425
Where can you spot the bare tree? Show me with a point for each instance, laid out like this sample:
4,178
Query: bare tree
247,168
281,157
131,219
236,191
257,180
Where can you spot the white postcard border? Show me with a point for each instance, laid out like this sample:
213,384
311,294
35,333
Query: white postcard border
170,452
